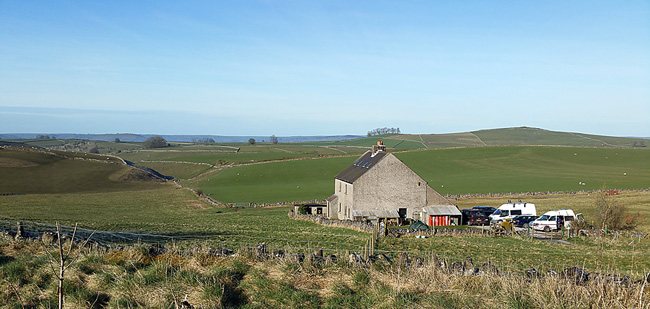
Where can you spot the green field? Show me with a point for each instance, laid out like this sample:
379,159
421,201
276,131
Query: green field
169,210
530,169
449,171
165,209
287,181
391,142
520,136
43,171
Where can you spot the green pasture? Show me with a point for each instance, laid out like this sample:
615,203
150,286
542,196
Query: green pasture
530,169
40,171
449,171
520,252
178,170
219,155
451,140
391,142
528,136
286,181
173,211
112,147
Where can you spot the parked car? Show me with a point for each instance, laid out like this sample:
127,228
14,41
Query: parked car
511,210
523,221
549,221
474,217
487,210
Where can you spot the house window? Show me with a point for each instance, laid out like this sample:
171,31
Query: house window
346,188
339,187
418,183
319,211
339,207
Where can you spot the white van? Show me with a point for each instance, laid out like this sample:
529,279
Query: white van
511,210
548,221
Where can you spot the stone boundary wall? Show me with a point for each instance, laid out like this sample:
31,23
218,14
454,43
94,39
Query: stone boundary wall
355,225
440,232
510,194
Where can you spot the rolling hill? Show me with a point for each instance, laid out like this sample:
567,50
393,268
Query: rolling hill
519,136
39,171
499,169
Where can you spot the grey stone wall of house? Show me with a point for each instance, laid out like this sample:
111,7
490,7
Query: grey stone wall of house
345,192
436,199
333,208
390,184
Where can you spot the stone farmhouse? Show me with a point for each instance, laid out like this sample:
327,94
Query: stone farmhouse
378,185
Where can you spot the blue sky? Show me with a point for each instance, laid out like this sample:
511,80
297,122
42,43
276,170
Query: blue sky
323,67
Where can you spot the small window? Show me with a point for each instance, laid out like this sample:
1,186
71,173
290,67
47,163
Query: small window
515,212
418,183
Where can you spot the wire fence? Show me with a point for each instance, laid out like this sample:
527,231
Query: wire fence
189,243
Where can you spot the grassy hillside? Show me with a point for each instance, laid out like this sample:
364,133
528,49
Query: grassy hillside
169,210
520,136
26,171
534,136
275,182
450,171
396,142
530,169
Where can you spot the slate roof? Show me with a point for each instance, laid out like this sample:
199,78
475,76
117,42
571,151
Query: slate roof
375,213
442,211
360,167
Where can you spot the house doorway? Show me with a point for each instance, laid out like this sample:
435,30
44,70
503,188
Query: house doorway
402,215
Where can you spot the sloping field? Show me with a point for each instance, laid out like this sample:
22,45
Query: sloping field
27,171
276,182
534,136
450,140
234,155
520,136
397,142
169,210
450,171
530,169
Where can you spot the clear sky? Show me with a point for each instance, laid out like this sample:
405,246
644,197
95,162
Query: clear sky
324,67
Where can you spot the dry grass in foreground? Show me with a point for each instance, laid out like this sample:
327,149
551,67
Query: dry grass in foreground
141,277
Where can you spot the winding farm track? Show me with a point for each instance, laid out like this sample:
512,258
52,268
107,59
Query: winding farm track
593,139
478,138
422,141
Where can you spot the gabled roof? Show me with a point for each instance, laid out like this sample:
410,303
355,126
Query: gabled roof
375,213
360,167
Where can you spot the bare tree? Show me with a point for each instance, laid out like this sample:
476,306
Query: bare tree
610,214
64,258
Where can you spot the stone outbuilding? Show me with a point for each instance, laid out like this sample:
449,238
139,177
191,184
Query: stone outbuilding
441,215
378,182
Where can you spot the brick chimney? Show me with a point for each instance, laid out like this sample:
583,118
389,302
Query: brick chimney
379,147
